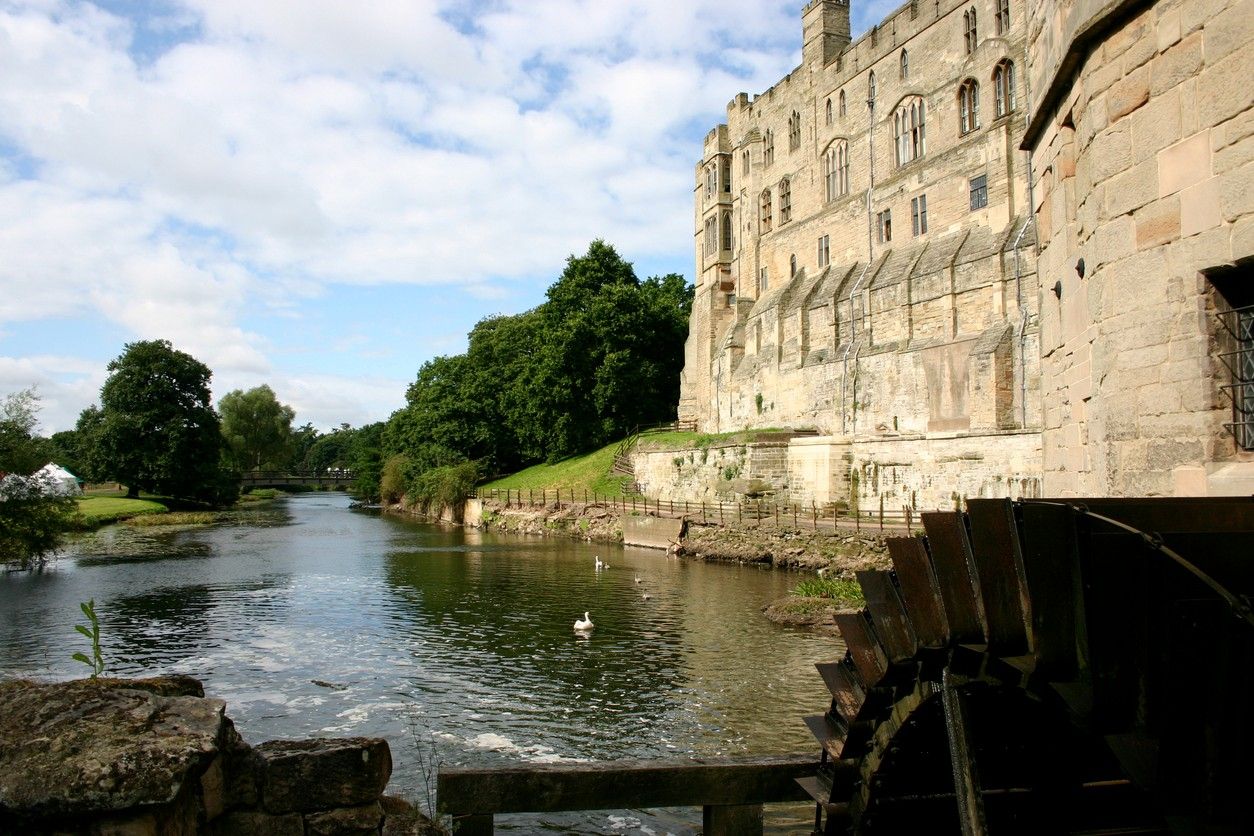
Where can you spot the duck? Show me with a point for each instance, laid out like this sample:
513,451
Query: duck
584,623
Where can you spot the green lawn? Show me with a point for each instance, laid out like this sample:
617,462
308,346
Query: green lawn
99,510
589,472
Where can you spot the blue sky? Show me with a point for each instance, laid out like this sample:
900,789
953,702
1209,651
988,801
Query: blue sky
322,195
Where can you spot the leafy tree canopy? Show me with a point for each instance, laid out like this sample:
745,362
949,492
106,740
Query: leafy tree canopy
601,356
257,428
155,429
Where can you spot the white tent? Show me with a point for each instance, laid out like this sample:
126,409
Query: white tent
60,480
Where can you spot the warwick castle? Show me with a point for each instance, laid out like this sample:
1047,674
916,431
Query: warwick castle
991,248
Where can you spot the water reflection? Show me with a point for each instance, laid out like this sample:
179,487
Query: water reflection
310,619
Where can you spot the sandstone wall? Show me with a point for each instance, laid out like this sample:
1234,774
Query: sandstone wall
1143,142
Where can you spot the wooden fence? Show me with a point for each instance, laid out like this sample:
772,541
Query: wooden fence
754,511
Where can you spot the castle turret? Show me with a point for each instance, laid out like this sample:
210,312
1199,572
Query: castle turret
824,31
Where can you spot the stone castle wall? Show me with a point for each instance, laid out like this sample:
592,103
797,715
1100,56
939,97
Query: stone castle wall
1143,141
815,316
1124,162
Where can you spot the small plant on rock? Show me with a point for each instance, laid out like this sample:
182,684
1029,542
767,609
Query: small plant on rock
96,662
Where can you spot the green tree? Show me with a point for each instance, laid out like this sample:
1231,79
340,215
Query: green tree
156,429
257,428
21,450
32,520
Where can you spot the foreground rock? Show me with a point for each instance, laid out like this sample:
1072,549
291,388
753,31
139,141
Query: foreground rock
154,756
840,554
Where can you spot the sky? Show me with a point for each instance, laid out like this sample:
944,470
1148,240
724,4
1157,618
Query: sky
321,195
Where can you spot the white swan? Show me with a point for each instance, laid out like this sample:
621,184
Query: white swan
639,581
646,596
600,565
584,623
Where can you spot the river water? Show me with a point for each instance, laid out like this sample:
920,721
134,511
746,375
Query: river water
313,619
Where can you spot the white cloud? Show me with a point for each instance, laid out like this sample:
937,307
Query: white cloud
272,150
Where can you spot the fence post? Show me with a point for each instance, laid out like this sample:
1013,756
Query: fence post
857,520
909,520
794,515
776,504
814,514
881,512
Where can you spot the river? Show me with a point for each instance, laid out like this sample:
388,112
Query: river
313,619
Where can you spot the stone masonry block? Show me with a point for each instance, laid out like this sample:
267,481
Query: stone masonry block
1236,193
1130,190
1129,93
1177,64
1199,207
1243,238
1230,31
321,774
1234,156
1168,28
1111,152
1113,240
1158,223
1183,164
1224,89
1156,126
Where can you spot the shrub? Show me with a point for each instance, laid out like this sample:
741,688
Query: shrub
32,519
448,485
392,479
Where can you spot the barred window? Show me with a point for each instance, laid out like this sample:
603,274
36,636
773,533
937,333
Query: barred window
1234,306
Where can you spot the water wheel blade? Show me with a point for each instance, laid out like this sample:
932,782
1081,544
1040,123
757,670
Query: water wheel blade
887,612
955,574
830,734
919,591
864,647
999,568
845,685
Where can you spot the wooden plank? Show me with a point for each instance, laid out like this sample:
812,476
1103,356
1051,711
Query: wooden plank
864,648
845,686
829,734
919,591
888,615
542,788
1050,569
999,569
955,574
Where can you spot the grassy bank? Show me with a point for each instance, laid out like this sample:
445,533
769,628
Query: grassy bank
589,472
95,511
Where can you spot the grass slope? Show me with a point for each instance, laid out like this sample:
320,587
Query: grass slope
589,472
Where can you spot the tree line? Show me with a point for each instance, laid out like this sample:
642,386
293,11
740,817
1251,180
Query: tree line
600,356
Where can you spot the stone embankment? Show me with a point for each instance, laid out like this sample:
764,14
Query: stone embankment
839,554
155,757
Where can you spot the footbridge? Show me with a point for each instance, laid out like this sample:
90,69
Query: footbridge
305,478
